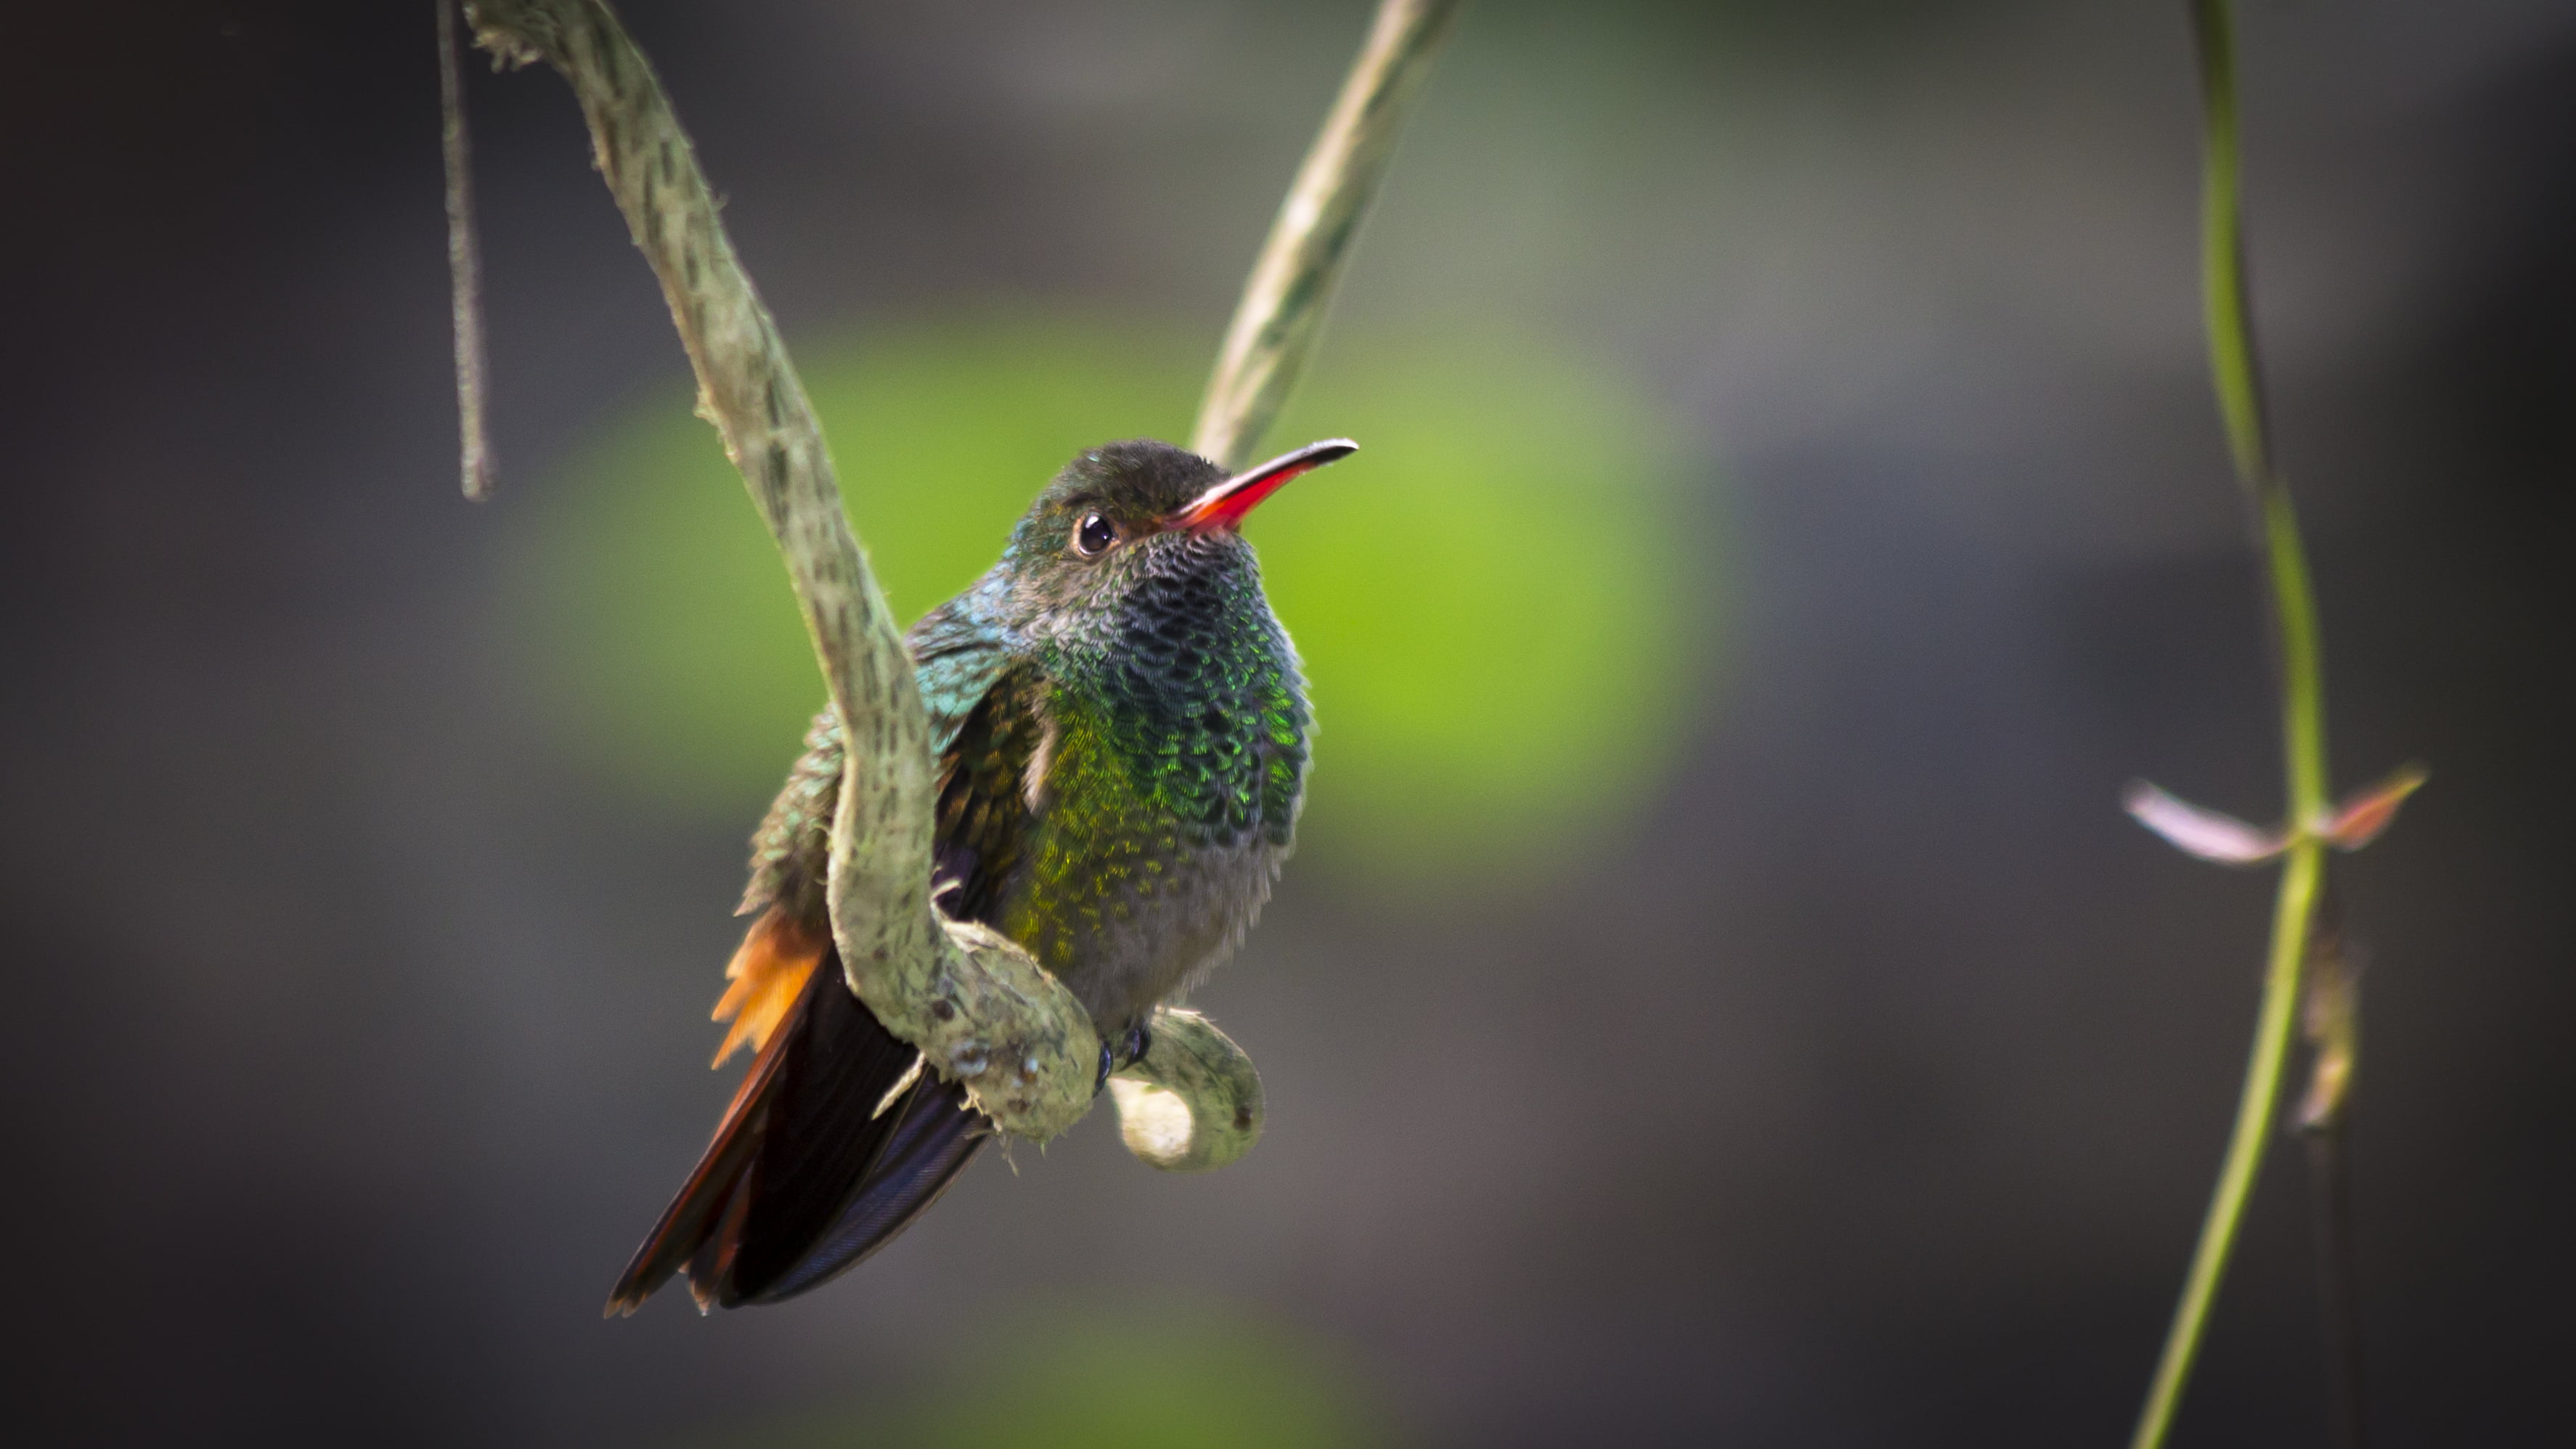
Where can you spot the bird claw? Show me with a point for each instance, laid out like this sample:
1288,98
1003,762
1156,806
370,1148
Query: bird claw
1134,1043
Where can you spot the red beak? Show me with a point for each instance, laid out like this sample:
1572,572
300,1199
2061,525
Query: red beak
1225,505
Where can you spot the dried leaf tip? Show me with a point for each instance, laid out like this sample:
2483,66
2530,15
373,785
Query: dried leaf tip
2222,839
2205,834
2330,1019
2362,815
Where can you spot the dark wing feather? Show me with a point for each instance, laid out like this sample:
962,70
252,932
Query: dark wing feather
806,1176
934,1133
825,1151
956,663
694,1220
841,1187
984,798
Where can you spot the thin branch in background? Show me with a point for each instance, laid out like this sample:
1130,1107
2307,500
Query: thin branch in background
2311,825
2226,295
2331,1021
2338,1285
1281,315
464,265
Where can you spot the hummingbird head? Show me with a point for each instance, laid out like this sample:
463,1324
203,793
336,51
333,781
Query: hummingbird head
1132,534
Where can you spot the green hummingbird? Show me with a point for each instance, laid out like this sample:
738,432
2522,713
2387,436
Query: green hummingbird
1122,734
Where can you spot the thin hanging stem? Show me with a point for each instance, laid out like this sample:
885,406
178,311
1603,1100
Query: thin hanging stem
2332,1025
2254,1123
2337,1285
464,265
2238,378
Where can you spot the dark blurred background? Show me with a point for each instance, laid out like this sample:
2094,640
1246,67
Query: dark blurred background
1719,1000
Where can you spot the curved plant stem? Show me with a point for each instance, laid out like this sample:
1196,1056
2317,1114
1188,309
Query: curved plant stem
978,1006
1291,286
2238,379
980,1009
2254,1124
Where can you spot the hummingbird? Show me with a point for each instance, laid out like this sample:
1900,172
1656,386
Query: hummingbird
1122,728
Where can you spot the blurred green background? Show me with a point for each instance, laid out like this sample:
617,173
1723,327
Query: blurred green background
1506,602
1152,1373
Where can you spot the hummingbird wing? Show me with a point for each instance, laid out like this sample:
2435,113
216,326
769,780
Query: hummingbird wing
835,1140
857,1142
986,723
957,658
993,768
839,1187
956,661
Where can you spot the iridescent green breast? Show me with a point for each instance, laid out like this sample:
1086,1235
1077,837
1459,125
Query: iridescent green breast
1163,786
1118,783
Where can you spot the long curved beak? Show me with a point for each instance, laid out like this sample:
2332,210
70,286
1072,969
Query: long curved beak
1225,505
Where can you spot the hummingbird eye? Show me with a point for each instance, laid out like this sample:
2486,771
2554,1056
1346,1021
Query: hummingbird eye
1093,536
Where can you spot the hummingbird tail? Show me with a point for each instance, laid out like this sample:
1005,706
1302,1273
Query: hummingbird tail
835,1141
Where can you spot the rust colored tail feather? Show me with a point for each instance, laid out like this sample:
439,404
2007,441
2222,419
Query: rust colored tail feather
820,1159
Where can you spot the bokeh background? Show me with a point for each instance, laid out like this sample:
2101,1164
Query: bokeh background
1719,999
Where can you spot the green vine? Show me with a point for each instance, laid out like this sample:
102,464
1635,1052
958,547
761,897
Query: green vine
2311,823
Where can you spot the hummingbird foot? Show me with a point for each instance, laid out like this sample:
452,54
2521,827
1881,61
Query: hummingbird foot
1137,1040
1140,1040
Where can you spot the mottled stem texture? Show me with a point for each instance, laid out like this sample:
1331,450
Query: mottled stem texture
979,1008
976,1005
1281,315
2312,823
464,267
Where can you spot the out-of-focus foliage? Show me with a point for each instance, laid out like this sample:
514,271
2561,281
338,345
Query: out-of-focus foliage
1503,605
1092,1379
